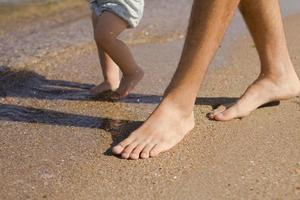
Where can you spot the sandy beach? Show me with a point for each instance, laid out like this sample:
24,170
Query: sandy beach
55,140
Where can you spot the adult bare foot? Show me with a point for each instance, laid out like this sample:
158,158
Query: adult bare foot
103,87
128,82
166,127
264,90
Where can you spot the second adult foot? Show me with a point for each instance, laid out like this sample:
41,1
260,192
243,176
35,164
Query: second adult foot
262,91
163,130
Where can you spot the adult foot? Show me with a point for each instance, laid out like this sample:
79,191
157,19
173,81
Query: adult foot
103,87
263,90
166,127
128,82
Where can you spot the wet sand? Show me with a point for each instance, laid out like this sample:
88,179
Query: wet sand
55,139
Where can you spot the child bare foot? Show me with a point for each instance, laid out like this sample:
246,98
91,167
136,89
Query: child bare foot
103,87
128,82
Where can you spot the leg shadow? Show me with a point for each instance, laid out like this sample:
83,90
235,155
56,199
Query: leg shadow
156,99
28,84
119,129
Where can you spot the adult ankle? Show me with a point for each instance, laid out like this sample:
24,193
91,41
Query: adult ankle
177,105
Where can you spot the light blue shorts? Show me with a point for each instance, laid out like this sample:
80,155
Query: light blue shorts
129,10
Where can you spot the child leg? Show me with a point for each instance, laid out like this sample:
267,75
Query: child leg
110,72
110,69
108,27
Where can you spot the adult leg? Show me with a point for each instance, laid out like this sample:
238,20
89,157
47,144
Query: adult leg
109,68
278,79
174,118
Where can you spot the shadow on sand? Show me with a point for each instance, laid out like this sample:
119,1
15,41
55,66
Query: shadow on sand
28,84
119,129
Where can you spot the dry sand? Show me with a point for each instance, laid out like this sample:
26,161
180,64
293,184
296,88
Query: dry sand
55,141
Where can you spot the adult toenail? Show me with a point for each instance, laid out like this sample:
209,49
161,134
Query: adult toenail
133,155
118,147
125,155
144,155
